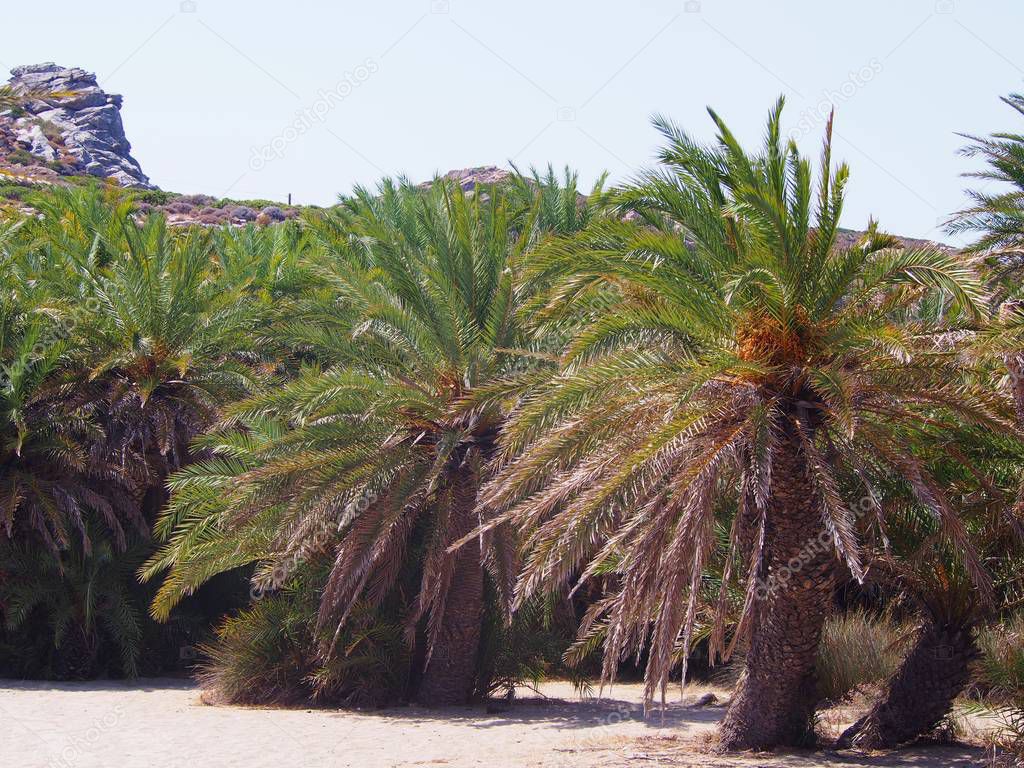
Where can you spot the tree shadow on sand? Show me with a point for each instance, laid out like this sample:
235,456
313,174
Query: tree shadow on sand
591,713
147,685
684,753
675,736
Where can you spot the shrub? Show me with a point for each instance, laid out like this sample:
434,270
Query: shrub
178,206
72,615
1001,669
857,649
269,653
21,157
529,650
213,218
152,196
50,131
227,202
1001,676
14,191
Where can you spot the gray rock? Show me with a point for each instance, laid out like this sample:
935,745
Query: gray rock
469,178
32,137
706,700
88,118
273,213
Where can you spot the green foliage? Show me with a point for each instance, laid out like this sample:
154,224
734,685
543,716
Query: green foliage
719,327
997,217
50,479
269,653
193,527
257,203
1001,678
10,191
413,314
318,404
529,649
153,196
117,347
70,615
21,157
1002,657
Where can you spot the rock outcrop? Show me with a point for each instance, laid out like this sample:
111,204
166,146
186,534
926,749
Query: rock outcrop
469,178
70,124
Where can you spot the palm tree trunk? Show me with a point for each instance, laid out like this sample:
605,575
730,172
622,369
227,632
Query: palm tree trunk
1015,367
775,699
921,692
75,658
450,676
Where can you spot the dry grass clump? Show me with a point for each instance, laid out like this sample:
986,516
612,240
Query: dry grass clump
857,650
1001,676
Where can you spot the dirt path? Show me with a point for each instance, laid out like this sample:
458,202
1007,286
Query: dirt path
161,723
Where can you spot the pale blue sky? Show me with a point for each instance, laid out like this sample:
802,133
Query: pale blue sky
417,86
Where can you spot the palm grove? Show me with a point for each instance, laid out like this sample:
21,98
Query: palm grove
433,442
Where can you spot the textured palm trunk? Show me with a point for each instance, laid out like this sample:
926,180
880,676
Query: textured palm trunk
921,692
450,675
76,656
1015,367
776,696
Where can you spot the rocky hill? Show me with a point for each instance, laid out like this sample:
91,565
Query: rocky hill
64,124
58,126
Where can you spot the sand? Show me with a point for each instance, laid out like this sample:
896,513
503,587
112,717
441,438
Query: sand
164,724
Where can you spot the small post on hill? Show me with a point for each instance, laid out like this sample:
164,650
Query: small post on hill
289,198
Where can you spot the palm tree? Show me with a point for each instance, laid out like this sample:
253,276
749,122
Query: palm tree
168,344
735,355
997,218
52,477
936,667
196,545
947,638
391,421
84,600
979,471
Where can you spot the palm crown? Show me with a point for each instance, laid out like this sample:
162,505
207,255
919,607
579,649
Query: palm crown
166,344
997,217
419,313
734,352
53,476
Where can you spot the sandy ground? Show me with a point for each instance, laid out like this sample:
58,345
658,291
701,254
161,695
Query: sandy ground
163,723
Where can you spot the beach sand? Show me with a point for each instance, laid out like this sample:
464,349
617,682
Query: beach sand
164,724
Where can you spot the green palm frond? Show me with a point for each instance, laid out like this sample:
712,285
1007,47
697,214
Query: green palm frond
729,322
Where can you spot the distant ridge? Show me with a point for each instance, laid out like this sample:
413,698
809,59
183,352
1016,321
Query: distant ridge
67,128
